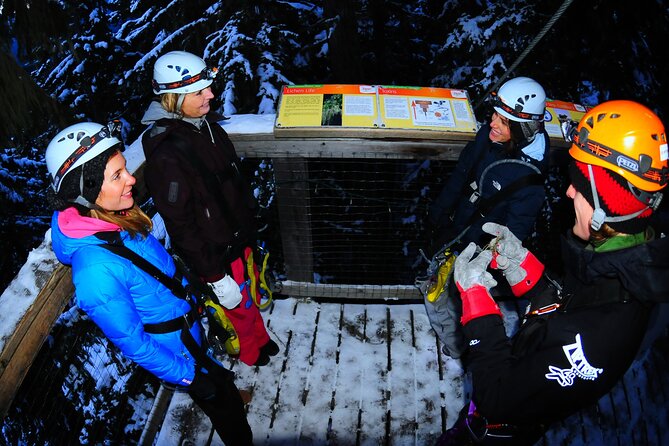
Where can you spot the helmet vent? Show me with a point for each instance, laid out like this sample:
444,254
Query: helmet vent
601,116
590,122
179,69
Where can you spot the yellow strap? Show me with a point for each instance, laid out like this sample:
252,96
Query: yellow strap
263,277
232,343
263,282
443,273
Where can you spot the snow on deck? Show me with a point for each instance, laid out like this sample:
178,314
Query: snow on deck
355,374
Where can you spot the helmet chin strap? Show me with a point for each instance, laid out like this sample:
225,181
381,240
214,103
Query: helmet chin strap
180,101
599,217
80,200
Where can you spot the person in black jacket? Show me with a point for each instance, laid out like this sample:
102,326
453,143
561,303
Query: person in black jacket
192,172
500,175
578,338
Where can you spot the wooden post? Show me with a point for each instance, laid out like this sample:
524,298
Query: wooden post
292,191
157,415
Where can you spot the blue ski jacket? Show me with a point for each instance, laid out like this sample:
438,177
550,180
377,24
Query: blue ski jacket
121,297
452,211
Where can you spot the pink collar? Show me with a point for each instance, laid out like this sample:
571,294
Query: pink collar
77,226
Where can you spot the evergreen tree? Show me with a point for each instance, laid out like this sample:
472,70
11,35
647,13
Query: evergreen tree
483,40
25,31
84,74
252,48
25,215
610,50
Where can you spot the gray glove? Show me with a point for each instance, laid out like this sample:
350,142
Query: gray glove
474,282
520,267
469,273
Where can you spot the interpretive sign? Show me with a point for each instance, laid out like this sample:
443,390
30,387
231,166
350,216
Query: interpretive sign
558,111
374,107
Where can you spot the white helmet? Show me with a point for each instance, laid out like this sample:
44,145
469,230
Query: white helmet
181,72
520,99
76,145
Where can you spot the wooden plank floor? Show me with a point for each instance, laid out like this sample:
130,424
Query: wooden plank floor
354,374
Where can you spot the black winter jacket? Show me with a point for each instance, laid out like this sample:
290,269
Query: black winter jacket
452,211
567,359
196,185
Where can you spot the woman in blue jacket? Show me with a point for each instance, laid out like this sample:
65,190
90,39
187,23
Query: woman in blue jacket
139,314
499,177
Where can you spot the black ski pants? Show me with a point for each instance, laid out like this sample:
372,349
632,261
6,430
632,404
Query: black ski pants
226,411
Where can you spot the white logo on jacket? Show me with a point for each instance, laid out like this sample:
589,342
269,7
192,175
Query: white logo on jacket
580,367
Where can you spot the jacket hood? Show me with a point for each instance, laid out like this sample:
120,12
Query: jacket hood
162,123
155,111
158,132
71,231
641,269
535,149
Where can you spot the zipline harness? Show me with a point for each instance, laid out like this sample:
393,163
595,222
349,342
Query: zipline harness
202,299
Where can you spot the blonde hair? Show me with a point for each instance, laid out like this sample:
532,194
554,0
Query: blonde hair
133,220
170,102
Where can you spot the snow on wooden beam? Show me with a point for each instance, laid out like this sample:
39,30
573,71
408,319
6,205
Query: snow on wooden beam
267,145
29,307
317,290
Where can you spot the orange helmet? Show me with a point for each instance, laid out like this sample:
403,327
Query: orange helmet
626,138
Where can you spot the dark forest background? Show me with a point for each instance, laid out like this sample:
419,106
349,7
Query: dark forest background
65,61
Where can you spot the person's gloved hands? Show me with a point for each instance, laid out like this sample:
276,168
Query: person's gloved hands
227,292
520,267
474,282
202,386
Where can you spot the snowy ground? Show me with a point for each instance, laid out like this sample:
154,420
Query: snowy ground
351,374
347,374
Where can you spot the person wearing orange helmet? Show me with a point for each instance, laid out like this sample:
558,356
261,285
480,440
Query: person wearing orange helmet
581,333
